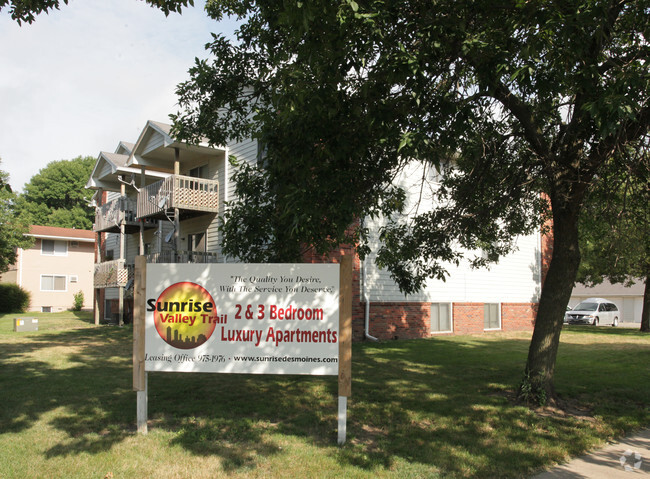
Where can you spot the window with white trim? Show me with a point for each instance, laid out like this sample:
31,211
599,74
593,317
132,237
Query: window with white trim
53,282
54,247
440,317
491,316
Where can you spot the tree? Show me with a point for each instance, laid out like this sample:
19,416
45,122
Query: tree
57,196
615,229
12,231
528,99
26,11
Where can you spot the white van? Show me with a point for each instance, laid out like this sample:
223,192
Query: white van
593,311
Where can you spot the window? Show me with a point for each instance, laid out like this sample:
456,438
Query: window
54,247
51,282
46,309
491,316
110,254
199,172
107,309
440,317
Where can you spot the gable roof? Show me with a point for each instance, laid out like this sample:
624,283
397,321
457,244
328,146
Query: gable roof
155,148
110,166
55,232
124,148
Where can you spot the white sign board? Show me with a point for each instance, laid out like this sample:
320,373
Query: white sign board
242,318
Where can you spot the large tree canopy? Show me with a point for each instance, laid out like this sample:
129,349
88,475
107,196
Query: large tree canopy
12,231
528,99
56,195
615,228
26,10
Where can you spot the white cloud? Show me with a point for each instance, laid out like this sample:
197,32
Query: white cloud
79,80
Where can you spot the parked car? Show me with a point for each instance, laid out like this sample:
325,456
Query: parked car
593,311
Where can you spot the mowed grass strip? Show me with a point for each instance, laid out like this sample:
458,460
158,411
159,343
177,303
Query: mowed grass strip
440,407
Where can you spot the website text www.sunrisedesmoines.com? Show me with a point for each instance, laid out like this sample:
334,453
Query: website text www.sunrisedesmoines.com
220,358
284,359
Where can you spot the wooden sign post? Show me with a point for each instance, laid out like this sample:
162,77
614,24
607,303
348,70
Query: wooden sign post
139,373
318,303
345,344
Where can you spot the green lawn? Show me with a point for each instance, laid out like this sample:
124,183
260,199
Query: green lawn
425,408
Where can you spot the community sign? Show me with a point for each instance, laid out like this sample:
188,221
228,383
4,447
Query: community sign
242,318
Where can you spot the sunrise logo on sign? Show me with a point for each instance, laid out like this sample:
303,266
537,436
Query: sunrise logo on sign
185,315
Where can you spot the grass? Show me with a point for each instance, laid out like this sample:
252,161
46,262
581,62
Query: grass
426,408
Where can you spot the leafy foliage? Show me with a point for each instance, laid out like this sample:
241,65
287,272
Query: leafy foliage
615,227
11,229
78,301
14,298
529,101
26,11
57,196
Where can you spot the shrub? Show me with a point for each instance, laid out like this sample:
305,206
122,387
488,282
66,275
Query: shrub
78,301
13,298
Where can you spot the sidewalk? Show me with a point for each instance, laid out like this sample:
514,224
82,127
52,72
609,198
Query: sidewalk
627,459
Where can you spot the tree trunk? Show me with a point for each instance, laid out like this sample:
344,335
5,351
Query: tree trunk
645,314
538,384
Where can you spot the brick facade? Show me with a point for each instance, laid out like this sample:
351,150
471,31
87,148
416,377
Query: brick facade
411,320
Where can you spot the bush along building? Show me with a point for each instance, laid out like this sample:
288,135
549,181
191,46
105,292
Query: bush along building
162,198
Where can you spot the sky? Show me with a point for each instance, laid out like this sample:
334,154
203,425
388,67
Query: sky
81,79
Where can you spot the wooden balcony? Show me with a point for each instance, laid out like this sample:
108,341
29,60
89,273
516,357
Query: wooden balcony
108,217
182,257
116,273
192,197
111,274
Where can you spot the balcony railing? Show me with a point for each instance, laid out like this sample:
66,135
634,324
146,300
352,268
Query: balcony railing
182,257
116,273
108,217
111,274
177,191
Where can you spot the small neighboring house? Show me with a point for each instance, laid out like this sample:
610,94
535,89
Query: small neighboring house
161,197
628,299
57,266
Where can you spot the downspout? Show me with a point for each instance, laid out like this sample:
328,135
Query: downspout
366,299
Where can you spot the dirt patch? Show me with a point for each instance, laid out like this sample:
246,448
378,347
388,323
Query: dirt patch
557,408
566,408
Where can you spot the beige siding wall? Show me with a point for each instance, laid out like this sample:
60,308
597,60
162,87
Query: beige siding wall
78,261
9,277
